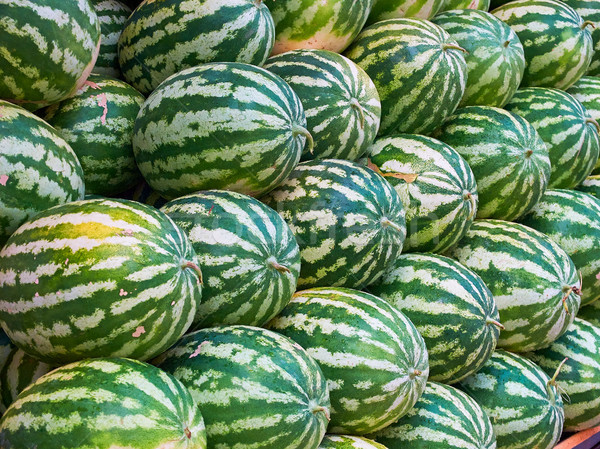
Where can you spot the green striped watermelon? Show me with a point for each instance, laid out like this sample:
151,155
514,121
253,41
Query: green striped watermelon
164,37
374,359
249,257
534,282
395,9
256,389
451,307
6,347
98,124
495,58
572,220
587,92
17,373
348,221
340,101
348,442
436,185
98,278
579,378
418,69
143,193
570,135
591,186
442,418
557,42
590,313
242,129
112,15
523,403
449,5
38,169
508,157
104,404
590,12
326,25
47,49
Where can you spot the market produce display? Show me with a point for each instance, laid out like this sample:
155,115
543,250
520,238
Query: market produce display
299,224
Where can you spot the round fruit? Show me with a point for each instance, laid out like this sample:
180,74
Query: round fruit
242,129
449,5
395,9
256,389
348,442
112,15
590,12
587,92
591,186
98,278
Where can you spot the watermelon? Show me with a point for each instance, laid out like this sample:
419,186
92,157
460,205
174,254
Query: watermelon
38,169
495,58
572,220
164,37
47,49
587,92
98,124
112,15
557,42
325,25
256,389
444,417
374,359
436,185
6,347
451,307
579,377
249,257
348,442
590,13
143,193
449,5
508,157
591,186
534,282
418,69
570,135
98,278
242,129
523,403
590,313
17,373
104,404
340,101
349,222
395,9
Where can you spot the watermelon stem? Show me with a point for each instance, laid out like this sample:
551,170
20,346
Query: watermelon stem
276,265
567,291
194,267
588,23
391,224
322,409
552,381
469,197
591,121
298,130
454,47
187,432
361,113
495,323
506,44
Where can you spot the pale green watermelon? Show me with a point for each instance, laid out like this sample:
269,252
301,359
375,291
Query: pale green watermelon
449,5
348,442
395,9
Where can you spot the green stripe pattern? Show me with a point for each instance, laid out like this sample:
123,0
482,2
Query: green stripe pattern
227,126
572,220
591,186
587,92
349,222
579,378
19,371
256,389
112,15
340,101
570,135
348,442
526,411
508,157
590,11
373,357
590,313
436,185
104,404
163,37
98,124
495,58
449,5
451,307
327,25
418,70
558,45
97,278
47,49
38,169
534,282
444,417
395,9
249,256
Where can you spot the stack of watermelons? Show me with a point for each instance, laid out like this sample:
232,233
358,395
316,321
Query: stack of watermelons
299,224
